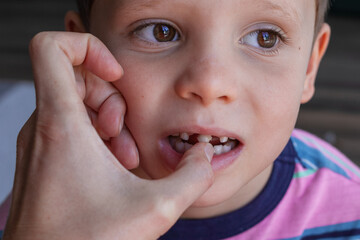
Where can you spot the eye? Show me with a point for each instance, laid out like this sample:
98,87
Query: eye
157,33
261,39
266,40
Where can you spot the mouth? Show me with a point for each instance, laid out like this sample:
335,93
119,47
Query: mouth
181,142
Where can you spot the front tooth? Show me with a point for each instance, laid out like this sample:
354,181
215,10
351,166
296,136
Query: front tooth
218,149
204,138
224,139
184,136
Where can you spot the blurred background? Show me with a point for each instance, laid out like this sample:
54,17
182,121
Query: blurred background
333,114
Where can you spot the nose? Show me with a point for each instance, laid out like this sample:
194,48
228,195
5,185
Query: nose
207,81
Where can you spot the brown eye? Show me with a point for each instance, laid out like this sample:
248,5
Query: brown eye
267,39
164,33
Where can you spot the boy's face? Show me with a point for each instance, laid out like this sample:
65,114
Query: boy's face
234,68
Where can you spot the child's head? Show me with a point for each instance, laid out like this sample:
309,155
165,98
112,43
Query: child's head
237,70
84,7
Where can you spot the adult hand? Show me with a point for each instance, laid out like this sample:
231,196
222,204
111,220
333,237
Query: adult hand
71,178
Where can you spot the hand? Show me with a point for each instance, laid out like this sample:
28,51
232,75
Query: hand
68,183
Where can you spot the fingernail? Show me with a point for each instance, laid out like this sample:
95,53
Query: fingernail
209,150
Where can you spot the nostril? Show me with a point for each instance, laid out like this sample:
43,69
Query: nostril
225,98
196,96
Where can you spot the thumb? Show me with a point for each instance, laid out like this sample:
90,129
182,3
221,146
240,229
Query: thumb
193,176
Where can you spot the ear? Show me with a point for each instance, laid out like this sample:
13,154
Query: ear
320,45
73,22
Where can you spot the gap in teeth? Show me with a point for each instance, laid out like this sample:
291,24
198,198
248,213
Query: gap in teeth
181,142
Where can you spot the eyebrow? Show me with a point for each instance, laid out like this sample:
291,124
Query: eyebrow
289,13
140,5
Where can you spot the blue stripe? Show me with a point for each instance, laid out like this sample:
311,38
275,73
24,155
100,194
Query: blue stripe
336,231
336,158
335,235
312,158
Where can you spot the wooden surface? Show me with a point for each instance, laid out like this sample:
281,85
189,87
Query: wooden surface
334,113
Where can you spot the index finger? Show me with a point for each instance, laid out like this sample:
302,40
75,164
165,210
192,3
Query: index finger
54,54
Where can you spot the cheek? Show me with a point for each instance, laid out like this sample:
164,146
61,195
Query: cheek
139,91
146,88
281,88
278,101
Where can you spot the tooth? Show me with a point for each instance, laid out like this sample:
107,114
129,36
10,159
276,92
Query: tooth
224,139
232,144
218,149
204,138
175,134
231,138
187,146
226,148
172,141
184,136
180,147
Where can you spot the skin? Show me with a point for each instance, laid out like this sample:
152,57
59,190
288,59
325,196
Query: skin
193,85
189,85
60,184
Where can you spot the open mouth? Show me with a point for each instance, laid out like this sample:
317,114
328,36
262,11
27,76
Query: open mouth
181,142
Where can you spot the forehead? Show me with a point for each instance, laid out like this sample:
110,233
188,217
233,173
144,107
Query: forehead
294,11
290,7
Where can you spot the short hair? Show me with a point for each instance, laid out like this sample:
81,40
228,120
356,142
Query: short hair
84,8
322,6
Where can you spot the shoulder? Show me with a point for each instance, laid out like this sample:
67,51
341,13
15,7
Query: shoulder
322,199
325,190
314,154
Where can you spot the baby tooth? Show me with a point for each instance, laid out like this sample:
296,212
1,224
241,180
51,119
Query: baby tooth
172,141
176,135
231,138
204,138
184,136
224,139
218,149
180,147
231,144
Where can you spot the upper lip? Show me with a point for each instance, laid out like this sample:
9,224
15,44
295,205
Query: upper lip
213,131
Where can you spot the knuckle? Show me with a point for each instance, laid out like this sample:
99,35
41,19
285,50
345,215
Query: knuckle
162,209
49,133
53,129
39,41
165,212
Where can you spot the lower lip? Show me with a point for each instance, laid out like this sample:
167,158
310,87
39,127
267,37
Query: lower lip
219,162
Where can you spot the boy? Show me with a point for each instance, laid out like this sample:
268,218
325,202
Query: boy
229,73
